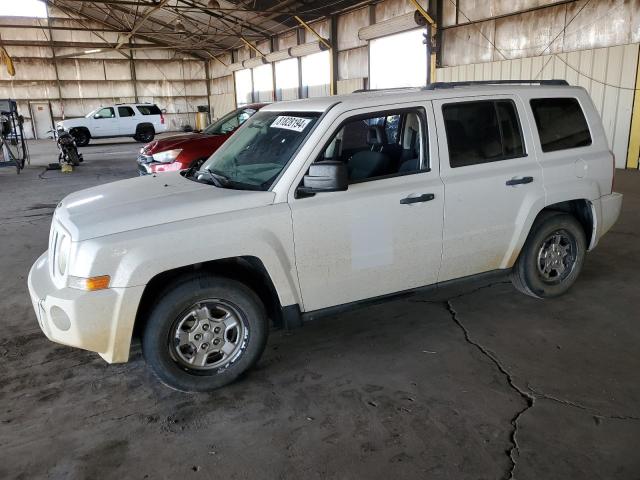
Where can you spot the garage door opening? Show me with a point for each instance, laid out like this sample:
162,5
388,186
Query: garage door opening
398,60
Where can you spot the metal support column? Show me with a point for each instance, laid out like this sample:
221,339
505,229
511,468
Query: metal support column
433,30
327,46
134,79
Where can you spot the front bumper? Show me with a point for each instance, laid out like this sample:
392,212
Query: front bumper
100,321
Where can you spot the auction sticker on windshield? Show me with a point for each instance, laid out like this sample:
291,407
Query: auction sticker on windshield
296,124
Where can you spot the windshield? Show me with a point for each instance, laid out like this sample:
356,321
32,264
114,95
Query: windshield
229,122
254,156
91,113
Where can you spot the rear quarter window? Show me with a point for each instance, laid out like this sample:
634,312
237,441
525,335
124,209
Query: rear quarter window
148,109
561,123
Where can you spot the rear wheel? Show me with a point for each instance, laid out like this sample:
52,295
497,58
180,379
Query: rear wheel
81,136
552,256
204,332
145,134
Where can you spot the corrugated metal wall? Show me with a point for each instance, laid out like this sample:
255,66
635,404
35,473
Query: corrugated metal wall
608,74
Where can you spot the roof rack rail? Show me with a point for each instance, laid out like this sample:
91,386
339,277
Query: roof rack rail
554,82
389,89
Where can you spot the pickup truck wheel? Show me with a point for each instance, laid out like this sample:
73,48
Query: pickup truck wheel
204,333
552,256
81,136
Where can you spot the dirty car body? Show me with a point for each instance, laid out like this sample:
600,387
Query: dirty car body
323,203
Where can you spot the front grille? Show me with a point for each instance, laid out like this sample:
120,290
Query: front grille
142,170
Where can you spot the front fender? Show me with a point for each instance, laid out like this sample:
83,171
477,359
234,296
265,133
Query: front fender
133,258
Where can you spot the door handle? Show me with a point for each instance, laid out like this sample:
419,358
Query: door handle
519,181
425,197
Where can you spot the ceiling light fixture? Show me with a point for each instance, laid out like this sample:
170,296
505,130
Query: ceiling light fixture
214,4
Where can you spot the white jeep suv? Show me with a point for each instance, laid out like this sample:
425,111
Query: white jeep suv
321,204
142,121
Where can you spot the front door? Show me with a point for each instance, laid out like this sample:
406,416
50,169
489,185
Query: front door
105,123
384,234
492,181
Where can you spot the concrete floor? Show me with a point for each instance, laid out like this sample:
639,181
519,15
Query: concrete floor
485,384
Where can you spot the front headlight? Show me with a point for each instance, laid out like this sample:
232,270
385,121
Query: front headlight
64,249
167,156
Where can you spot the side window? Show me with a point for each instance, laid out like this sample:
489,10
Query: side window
482,131
561,123
148,109
106,112
365,145
510,129
232,123
126,112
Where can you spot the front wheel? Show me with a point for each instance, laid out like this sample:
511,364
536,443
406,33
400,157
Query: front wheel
81,136
72,155
552,256
203,333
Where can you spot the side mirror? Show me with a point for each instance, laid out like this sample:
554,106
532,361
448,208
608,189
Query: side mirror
328,176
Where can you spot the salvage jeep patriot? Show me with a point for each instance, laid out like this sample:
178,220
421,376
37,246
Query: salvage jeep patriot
323,203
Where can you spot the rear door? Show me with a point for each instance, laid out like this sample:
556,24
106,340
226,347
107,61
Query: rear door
127,120
492,181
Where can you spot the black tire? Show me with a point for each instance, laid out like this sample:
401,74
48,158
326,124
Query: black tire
144,134
73,157
81,136
535,272
159,341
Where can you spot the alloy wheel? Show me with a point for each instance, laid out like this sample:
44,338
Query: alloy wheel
208,335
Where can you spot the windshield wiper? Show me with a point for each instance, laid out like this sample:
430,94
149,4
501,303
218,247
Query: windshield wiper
216,179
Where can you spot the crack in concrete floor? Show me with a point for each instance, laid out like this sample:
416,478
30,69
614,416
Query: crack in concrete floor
529,395
529,399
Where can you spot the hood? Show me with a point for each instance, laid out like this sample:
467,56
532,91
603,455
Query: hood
147,201
72,122
179,141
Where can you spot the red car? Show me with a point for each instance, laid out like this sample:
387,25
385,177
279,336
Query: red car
178,152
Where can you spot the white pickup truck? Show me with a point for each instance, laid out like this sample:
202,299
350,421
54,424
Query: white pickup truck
321,204
142,121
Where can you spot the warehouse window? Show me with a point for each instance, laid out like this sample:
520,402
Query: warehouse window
561,123
23,8
244,87
316,74
398,61
481,132
263,83
287,79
